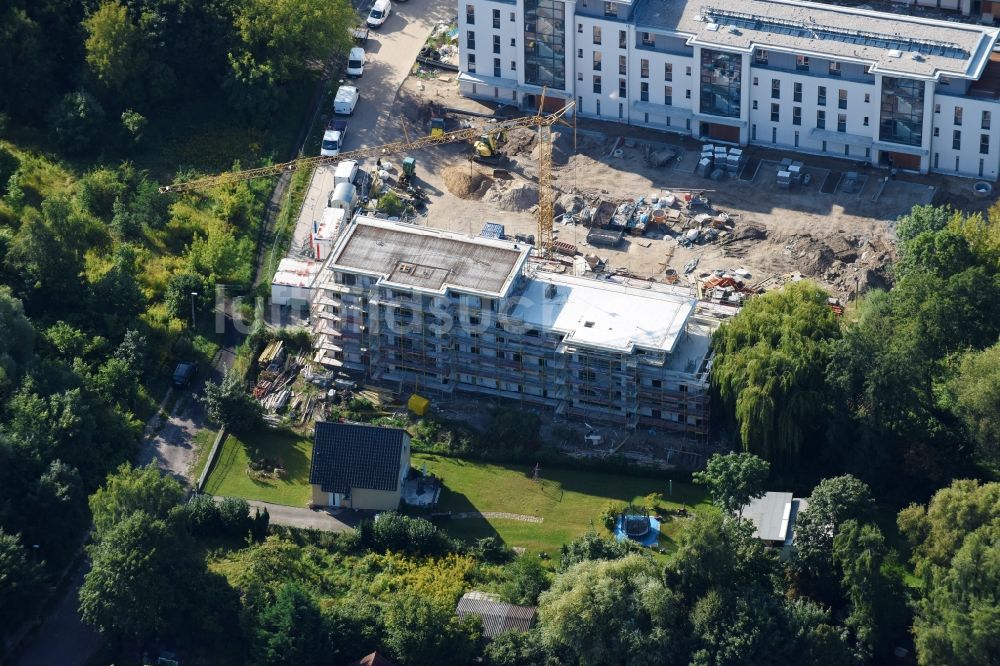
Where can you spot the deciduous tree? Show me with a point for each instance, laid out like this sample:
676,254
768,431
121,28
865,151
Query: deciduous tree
734,479
131,489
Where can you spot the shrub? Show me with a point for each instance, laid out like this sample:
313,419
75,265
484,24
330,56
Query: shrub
8,166
610,514
77,120
396,532
491,549
234,516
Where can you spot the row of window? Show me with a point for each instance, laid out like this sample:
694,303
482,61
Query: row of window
470,16
497,68
760,57
985,119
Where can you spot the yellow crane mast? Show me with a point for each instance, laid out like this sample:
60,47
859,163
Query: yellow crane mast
542,121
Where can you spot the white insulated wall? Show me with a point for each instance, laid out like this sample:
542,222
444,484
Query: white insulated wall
510,35
966,160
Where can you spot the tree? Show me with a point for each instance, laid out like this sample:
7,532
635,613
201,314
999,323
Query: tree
734,479
612,612
229,404
20,580
740,627
134,124
131,489
419,632
922,219
974,394
525,579
832,502
290,631
17,342
177,298
59,496
76,121
515,648
769,370
234,517
144,578
876,596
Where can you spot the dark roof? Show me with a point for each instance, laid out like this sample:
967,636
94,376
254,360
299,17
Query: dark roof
497,616
349,455
373,659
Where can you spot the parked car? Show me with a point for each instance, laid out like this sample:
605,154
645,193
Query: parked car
333,138
379,13
346,100
356,62
184,374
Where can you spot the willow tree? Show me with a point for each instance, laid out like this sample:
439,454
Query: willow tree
769,369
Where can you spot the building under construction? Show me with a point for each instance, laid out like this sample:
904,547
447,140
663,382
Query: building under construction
419,309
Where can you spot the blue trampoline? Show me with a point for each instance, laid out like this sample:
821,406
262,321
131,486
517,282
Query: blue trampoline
635,533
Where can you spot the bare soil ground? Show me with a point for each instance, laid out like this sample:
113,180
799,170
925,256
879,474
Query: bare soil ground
842,238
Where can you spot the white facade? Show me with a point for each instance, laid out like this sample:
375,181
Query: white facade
811,77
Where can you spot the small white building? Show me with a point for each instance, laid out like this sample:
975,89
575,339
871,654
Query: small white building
774,517
293,280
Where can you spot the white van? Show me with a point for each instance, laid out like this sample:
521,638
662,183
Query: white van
379,13
356,62
345,101
345,172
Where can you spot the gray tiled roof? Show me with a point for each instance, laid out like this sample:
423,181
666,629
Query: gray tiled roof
349,455
497,616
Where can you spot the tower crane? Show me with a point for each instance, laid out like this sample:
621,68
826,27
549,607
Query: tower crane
541,121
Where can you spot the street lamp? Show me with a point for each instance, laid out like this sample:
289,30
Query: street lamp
193,323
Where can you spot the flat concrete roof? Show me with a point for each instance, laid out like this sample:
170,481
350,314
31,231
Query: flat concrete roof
428,259
604,314
296,272
886,41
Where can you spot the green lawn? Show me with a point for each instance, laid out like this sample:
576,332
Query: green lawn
229,475
569,501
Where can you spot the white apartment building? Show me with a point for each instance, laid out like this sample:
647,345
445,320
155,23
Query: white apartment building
915,93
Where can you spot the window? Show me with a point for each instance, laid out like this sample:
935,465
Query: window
597,61
496,43
802,63
643,91
513,17
579,77
754,105
796,92
841,122
937,108
597,85
775,113
985,123
597,34
842,99
579,53
834,69
470,40
622,65
470,14
868,98
774,135
821,96
956,139
513,65
901,112
796,115
579,28
760,57
644,69
755,80
775,88
610,9
937,131
472,63
821,119
648,39
513,41
668,75
496,19
622,91
668,95
866,121
622,39
496,67
687,94
687,71
984,144
958,116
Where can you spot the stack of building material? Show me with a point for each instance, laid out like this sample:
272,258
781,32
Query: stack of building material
733,161
492,230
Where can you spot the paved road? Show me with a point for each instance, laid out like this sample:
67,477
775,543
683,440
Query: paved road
302,518
391,51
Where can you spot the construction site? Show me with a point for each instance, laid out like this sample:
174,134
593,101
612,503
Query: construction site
581,266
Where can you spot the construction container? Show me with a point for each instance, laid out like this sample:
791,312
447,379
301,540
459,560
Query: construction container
418,404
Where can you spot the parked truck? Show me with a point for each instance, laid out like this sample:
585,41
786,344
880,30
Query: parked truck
346,100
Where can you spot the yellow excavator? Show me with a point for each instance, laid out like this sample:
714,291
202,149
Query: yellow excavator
487,147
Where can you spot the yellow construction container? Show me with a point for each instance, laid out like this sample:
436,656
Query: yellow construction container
418,404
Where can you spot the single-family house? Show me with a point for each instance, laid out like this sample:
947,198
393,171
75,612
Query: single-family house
358,466
497,616
773,516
